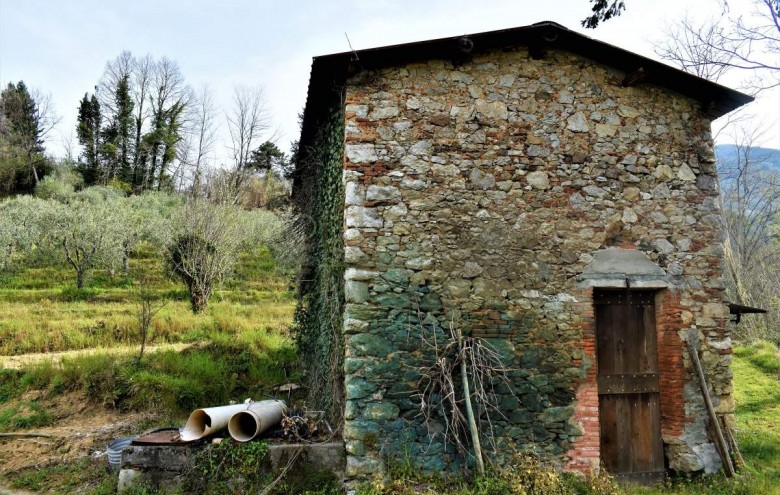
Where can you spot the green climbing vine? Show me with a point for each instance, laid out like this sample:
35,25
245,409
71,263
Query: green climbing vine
318,324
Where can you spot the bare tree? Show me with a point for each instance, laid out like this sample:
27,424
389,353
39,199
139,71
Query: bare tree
69,146
247,121
750,213
115,71
197,150
149,304
143,68
47,119
716,46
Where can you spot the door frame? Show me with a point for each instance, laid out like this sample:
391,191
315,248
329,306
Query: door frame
619,390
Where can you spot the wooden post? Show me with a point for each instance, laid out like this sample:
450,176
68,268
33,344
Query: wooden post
723,448
469,409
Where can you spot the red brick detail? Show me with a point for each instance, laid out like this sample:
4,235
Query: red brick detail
671,366
585,454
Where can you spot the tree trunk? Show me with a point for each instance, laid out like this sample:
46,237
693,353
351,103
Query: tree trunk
79,279
199,298
34,170
126,259
469,408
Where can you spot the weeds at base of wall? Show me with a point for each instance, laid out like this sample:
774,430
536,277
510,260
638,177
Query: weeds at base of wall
233,467
526,475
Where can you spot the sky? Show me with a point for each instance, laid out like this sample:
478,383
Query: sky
61,47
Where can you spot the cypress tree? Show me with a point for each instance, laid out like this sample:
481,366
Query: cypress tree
88,131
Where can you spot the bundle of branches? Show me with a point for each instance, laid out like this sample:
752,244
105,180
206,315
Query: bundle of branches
459,388
306,426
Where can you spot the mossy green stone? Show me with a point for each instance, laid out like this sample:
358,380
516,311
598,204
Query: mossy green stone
531,357
391,300
361,429
556,414
381,411
367,344
357,388
397,277
353,365
504,348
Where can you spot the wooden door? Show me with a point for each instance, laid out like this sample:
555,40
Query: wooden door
629,416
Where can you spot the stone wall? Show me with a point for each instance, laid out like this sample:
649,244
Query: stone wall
475,196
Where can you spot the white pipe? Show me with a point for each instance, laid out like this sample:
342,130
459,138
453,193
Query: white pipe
255,419
204,422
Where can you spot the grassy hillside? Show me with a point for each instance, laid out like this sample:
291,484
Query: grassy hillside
41,311
757,392
239,347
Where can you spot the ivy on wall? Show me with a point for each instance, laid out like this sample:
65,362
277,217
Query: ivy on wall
319,198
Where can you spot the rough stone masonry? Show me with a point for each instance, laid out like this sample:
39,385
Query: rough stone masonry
476,195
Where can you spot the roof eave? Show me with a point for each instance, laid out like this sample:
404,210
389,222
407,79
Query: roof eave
716,99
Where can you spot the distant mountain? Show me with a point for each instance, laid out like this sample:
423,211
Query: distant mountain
767,158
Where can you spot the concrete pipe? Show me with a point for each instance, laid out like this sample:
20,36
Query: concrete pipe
204,422
255,419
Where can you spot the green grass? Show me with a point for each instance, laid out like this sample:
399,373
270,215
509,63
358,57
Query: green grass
86,476
240,347
41,311
173,383
23,416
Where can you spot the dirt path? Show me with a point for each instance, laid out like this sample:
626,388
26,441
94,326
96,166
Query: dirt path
16,362
79,428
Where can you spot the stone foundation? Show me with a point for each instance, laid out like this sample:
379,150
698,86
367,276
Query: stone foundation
171,468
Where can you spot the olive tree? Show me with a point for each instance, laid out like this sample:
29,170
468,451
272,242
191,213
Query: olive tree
205,246
85,233
147,218
20,228
207,240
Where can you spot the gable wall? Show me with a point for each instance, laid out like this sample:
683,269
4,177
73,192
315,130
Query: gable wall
475,196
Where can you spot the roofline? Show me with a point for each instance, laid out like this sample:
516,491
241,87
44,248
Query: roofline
717,100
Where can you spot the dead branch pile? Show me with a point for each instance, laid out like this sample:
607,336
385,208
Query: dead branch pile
466,373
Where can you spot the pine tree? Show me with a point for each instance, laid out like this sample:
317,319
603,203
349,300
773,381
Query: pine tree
116,136
123,123
24,125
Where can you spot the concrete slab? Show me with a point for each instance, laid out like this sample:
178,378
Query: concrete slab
612,266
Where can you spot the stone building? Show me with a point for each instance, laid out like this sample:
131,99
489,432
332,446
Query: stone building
548,192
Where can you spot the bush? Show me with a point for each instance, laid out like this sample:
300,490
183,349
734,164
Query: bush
53,188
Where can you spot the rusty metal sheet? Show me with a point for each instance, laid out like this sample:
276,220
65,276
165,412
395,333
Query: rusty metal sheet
167,436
